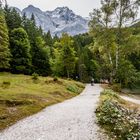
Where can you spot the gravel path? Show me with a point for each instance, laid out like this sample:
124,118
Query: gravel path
73,119
137,101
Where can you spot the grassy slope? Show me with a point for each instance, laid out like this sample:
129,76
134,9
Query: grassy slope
135,93
24,97
126,104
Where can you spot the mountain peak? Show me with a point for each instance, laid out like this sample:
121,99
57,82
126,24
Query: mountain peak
62,8
17,9
60,20
32,9
31,6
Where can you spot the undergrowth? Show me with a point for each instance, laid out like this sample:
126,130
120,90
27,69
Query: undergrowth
114,116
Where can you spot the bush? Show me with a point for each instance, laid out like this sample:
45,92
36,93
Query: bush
35,76
6,84
80,85
72,88
55,79
116,119
110,94
116,87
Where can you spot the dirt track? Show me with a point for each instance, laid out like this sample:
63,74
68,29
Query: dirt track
71,120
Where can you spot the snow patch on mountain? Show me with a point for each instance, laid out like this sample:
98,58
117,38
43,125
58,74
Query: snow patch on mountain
60,20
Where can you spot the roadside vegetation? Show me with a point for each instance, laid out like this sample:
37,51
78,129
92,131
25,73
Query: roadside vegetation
132,93
118,117
21,96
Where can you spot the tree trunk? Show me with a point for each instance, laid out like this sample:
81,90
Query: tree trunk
110,58
117,57
111,63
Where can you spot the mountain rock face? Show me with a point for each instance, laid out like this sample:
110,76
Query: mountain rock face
60,20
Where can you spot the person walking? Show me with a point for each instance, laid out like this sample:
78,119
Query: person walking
92,82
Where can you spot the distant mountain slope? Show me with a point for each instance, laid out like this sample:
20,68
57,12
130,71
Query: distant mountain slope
60,20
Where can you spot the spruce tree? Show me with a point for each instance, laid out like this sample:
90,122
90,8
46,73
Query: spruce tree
68,55
31,29
48,39
20,49
40,59
13,19
4,43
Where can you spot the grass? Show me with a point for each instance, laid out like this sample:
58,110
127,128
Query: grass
116,98
135,93
21,96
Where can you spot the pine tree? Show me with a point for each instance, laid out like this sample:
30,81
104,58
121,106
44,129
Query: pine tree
32,30
68,55
4,43
20,49
12,17
48,39
40,59
55,38
40,30
33,19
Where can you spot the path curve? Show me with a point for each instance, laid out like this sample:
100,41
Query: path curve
73,119
136,101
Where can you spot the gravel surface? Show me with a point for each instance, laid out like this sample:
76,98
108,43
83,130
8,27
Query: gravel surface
73,119
137,101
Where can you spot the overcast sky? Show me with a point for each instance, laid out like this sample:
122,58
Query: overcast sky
80,7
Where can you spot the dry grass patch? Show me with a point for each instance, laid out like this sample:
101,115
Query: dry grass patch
21,96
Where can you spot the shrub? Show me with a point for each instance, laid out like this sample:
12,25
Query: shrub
55,79
116,87
116,119
110,93
72,88
6,84
80,85
35,76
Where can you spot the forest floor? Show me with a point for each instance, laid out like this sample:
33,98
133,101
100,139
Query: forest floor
21,96
74,119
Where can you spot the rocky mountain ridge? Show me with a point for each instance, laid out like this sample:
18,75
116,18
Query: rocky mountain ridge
60,20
